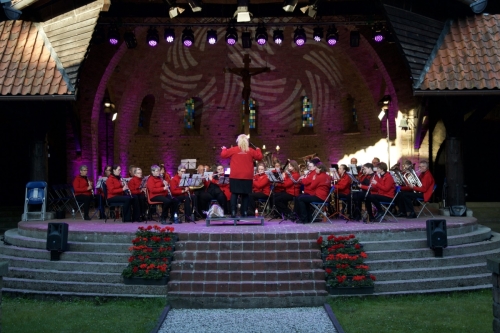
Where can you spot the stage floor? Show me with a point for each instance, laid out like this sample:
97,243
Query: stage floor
251,225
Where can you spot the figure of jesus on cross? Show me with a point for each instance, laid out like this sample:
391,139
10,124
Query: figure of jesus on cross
246,74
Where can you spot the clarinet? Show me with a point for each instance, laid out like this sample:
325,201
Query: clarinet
167,185
91,189
369,187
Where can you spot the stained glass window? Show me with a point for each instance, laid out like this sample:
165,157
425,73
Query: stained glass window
307,113
189,113
253,115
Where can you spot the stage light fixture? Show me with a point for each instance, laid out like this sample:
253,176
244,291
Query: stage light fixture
231,36
299,36
278,36
332,35
113,35
242,14
169,35
174,10
261,35
354,38
311,9
152,37
196,5
378,33
318,34
211,36
289,5
130,40
187,37
246,40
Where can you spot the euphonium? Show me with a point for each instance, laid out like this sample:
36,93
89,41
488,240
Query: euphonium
412,178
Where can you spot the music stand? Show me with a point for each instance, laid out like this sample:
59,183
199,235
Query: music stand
354,182
195,181
335,178
274,177
184,182
98,185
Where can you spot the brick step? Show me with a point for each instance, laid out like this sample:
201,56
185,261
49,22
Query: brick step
58,294
80,236
429,272
474,236
279,245
61,265
433,283
12,237
248,237
284,275
82,287
54,275
447,260
16,251
227,294
247,255
245,286
433,291
245,265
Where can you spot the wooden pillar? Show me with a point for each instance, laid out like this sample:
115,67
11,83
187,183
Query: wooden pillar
38,170
454,173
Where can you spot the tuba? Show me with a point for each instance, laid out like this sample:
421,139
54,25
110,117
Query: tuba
268,160
411,177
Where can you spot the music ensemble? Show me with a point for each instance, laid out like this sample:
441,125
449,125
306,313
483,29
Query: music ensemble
249,187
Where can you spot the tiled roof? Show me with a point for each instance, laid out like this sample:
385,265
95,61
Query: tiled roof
26,66
468,58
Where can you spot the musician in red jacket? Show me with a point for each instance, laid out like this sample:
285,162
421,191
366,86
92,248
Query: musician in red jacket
219,188
261,187
241,175
83,191
291,185
183,194
384,185
320,187
159,191
343,187
359,196
116,188
138,195
412,192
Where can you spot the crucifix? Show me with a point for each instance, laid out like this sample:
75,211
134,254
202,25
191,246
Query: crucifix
246,74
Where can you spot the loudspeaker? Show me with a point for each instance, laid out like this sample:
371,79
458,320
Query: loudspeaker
57,237
437,236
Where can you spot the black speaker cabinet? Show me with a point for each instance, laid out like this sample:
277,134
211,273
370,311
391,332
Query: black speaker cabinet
57,237
437,236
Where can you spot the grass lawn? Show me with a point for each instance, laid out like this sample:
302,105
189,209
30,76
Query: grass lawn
113,316
458,312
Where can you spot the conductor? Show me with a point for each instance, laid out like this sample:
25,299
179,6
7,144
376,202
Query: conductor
241,174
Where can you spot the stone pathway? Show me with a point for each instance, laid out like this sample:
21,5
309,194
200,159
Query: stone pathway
266,320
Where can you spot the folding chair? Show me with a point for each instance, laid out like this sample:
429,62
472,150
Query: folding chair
36,194
320,206
78,205
151,204
386,206
423,203
109,205
63,199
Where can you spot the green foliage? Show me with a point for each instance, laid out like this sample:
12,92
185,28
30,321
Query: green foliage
103,315
466,312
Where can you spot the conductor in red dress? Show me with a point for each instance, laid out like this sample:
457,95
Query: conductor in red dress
241,175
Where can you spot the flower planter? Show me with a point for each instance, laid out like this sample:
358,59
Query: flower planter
350,290
147,282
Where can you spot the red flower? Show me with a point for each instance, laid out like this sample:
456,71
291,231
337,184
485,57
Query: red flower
373,277
357,246
149,227
135,269
341,278
359,278
320,240
130,259
330,237
143,266
351,236
363,255
328,271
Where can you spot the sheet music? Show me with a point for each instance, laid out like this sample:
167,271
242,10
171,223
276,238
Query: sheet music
354,169
100,181
143,182
274,177
184,180
353,179
190,163
335,174
207,174
223,180
196,180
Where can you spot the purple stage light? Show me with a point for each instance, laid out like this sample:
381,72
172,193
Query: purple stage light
378,38
299,41
332,41
152,43
261,41
170,39
188,43
299,36
212,41
231,41
113,41
278,40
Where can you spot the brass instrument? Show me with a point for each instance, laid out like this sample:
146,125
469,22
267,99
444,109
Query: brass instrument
411,177
268,160
398,177
127,190
307,158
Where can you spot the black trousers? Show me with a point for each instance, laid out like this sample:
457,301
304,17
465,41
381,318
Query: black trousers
305,209
406,198
376,199
126,203
167,203
139,206
281,200
252,197
189,202
85,199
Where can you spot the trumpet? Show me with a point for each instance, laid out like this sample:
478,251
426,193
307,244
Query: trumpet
411,177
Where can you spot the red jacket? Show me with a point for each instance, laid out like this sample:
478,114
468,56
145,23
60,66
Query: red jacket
175,187
114,186
278,187
155,187
385,185
321,183
291,187
81,186
223,187
307,181
134,185
368,179
261,184
427,185
343,185
241,162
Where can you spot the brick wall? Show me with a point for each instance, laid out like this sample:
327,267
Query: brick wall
332,77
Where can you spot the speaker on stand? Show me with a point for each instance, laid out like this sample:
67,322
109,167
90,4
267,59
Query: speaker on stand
57,239
437,236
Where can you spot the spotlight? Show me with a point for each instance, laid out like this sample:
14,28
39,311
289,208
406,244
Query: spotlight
378,33
246,40
195,5
174,10
211,36
152,37
311,9
261,35
242,14
231,36
278,36
289,5
169,35
113,35
187,37
130,40
299,36
354,38
332,35
318,34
